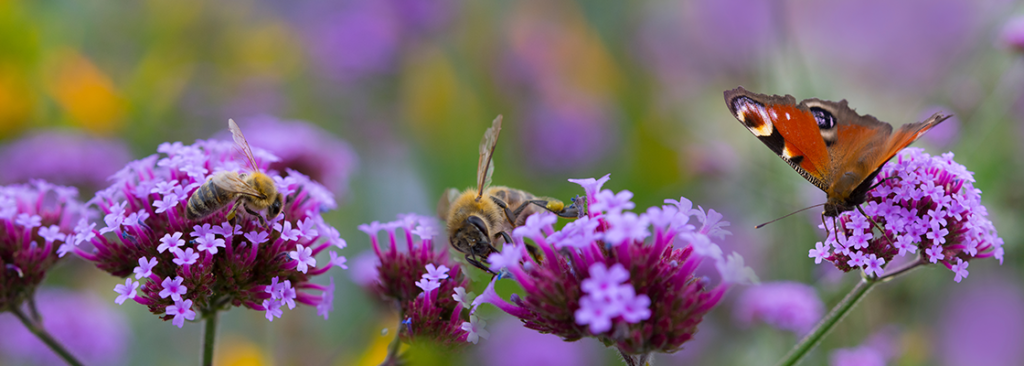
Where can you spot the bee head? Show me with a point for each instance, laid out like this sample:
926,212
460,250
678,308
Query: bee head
275,207
472,237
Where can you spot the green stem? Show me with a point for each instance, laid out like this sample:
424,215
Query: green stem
43,335
825,325
209,335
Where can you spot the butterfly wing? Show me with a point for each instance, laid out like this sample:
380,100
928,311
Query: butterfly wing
828,143
485,166
859,145
789,131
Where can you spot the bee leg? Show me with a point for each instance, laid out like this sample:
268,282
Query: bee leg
509,215
477,264
534,251
234,210
263,222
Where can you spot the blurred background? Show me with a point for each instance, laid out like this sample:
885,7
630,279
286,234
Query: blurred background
384,101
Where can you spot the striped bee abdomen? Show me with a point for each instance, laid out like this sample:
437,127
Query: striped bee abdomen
206,200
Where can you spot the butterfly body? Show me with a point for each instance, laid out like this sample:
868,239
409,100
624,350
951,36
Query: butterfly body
828,143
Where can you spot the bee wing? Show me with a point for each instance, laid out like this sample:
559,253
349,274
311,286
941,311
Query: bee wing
485,167
236,134
444,205
230,181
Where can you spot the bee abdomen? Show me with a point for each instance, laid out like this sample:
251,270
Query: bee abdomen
205,200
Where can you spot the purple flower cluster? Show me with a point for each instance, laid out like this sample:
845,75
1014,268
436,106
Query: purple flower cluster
791,306
926,205
876,351
423,283
86,325
1013,34
606,276
63,157
308,149
35,222
209,264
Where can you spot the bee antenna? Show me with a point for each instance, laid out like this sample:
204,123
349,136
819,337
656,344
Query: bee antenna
788,215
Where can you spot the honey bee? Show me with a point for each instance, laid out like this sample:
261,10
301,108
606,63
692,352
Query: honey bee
253,192
477,217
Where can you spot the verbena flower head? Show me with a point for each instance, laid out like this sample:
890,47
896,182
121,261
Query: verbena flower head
190,267
86,325
63,157
788,306
877,350
308,149
928,206
36,223
423,284
626,279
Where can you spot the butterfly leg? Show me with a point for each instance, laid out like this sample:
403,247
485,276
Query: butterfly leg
873,222
883,181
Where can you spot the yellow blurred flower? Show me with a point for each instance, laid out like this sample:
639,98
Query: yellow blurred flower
239,352
433,99
85,93
16,100
378,348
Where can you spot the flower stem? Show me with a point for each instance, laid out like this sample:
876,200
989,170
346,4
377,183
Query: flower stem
392,357
825,325
636,360
209,335
43,335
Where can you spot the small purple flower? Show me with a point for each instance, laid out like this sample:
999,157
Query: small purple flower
173,288
304,257
508,257
611,202
436,273
33,218
337,261
326,304
145,268
170,242
181,311
209,243
475,329
625,227
185,257
641,295
125,291
791,306
925,203
427,284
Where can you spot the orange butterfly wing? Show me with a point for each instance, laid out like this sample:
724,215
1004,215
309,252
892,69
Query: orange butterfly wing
829,144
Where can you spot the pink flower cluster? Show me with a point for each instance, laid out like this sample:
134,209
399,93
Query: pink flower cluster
925,204
209,264
35,229
606,276
423,284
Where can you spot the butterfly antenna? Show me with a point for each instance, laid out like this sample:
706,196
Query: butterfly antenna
788,215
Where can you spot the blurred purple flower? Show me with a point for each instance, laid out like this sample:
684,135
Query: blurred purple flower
1013,34
409,279
876,351
423,16
982,324
567,135
728,35
27,212
641,297
87,326
351,39
308,149
944,135
512,344
909,46
225,269
791,306
932,209
364,270
63,157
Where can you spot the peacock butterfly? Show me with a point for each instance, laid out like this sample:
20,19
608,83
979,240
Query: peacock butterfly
829,144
